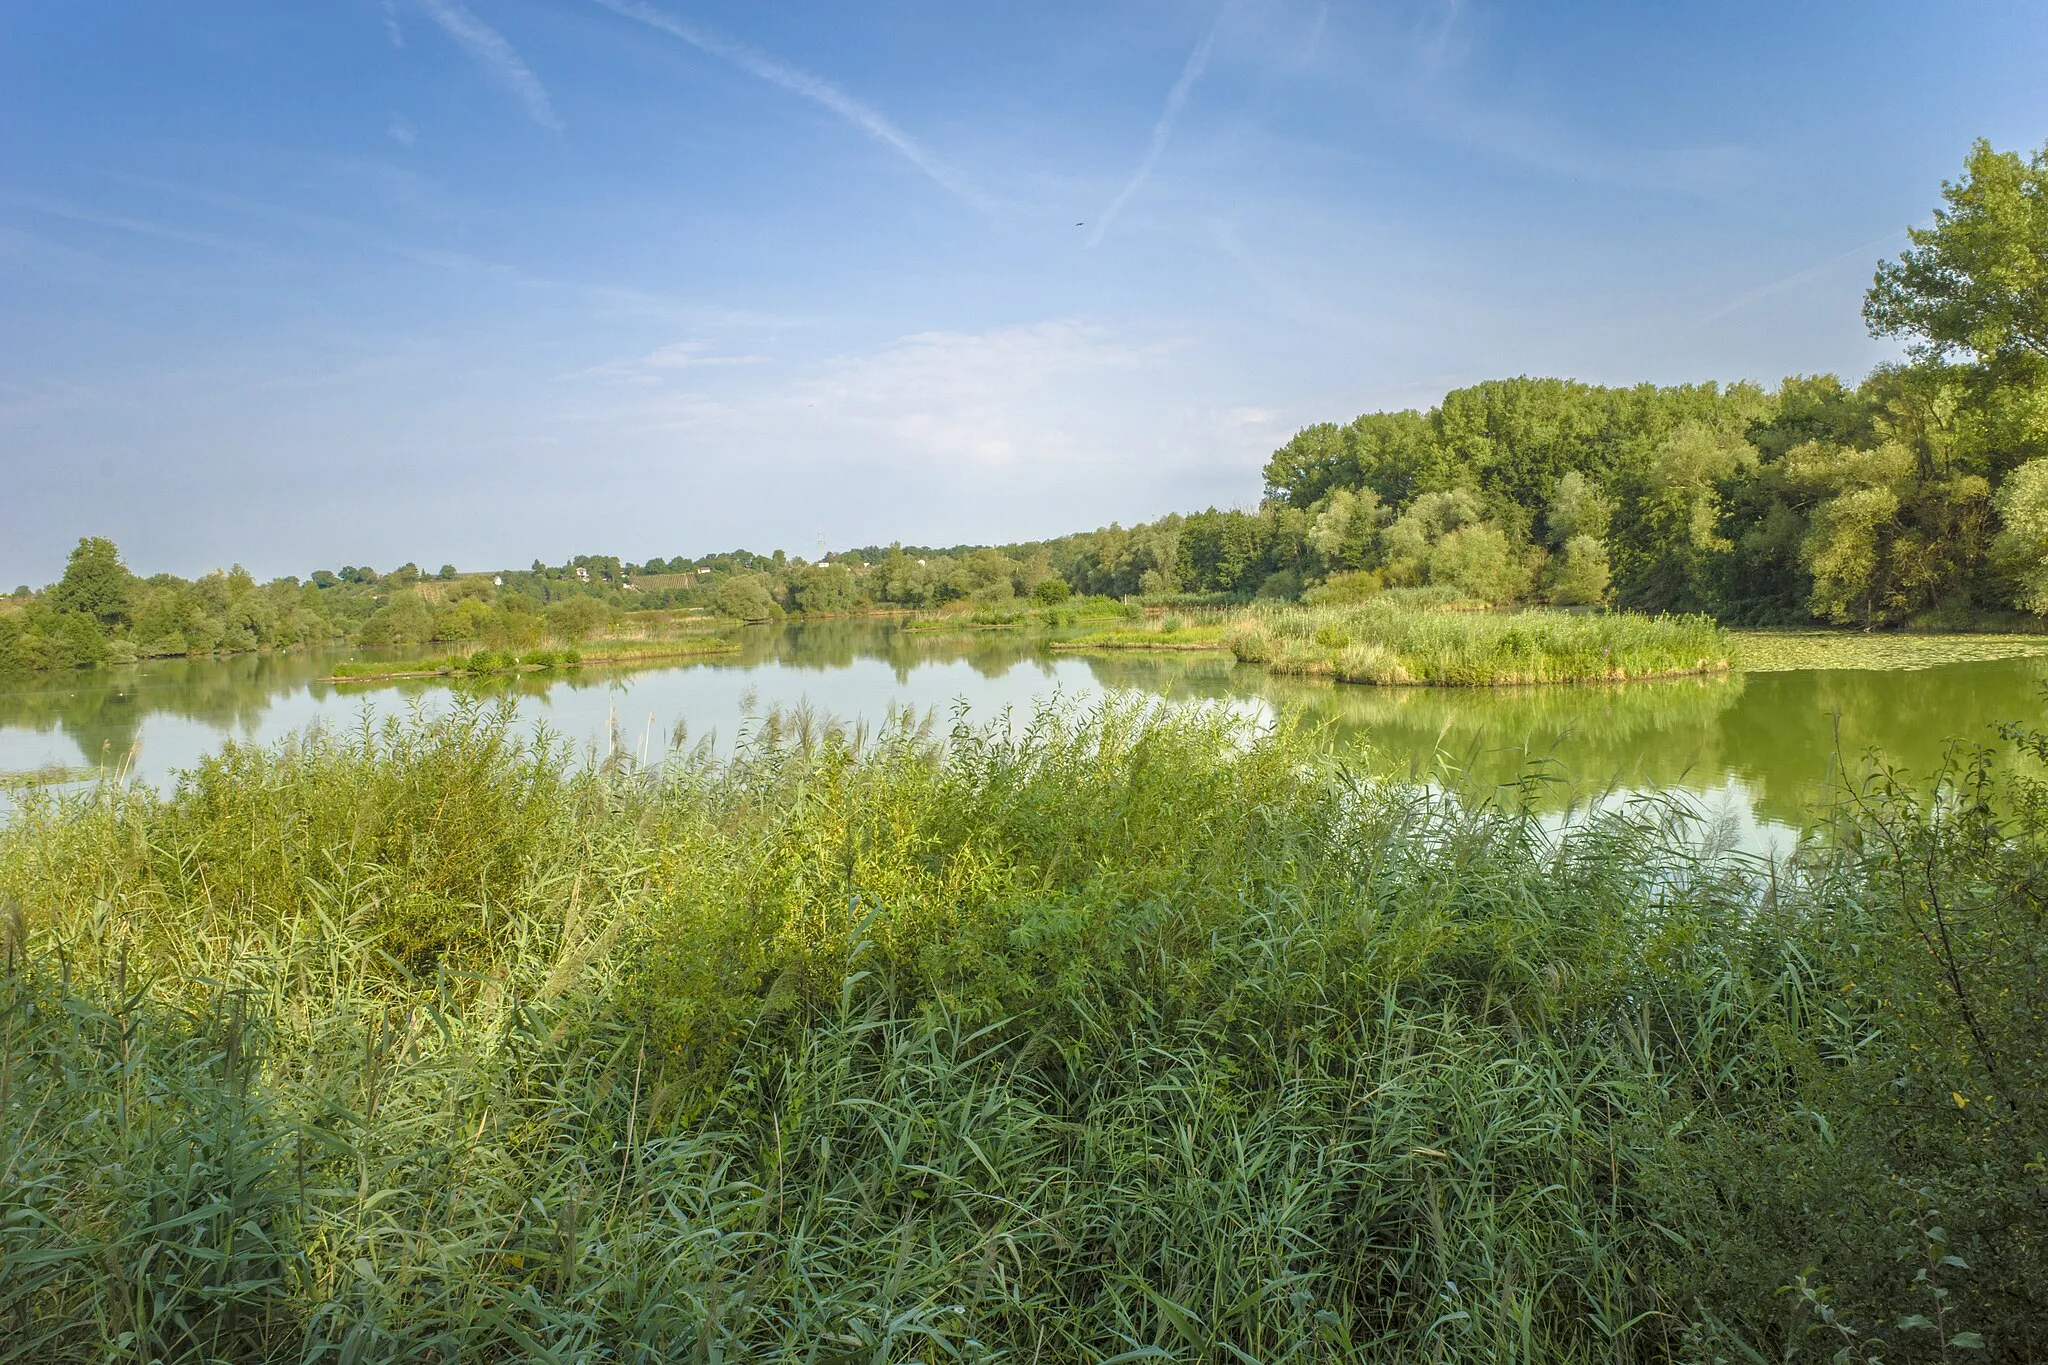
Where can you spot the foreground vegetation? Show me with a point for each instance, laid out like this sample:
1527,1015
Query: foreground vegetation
1133,1034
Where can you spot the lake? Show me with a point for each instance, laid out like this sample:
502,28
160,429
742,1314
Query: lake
1755,748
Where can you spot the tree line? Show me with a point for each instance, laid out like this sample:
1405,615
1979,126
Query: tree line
1917,497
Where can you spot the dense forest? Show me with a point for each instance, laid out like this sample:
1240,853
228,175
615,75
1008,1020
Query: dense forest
1916,498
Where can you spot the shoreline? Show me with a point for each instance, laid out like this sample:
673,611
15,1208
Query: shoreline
588,661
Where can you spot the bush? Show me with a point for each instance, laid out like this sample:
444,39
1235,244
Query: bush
1344,589
744,597
577,618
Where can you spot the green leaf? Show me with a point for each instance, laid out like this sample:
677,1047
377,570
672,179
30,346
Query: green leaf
1967,1341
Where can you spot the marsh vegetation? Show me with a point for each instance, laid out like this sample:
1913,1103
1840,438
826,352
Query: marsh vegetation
1396,638
1129,1030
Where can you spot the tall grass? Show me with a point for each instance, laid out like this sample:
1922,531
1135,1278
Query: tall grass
1390,642
1120,1035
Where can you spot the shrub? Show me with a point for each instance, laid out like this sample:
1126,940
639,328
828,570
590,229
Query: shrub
1344,589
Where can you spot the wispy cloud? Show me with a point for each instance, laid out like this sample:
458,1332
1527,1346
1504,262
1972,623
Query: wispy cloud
664,360
816,89
932,399
141,227
490,49
610,301
1245,417
1162,131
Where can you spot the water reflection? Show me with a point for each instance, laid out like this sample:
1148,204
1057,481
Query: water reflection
1776,735
1768,739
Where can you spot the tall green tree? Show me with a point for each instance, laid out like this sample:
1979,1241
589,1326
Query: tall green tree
2021,549
1978,279
95,583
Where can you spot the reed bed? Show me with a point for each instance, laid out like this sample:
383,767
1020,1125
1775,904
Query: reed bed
1391,643
1108,1036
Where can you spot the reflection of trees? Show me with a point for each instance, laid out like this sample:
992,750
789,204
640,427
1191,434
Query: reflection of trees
102,710
1789,722
1641,734
821,646
1776,731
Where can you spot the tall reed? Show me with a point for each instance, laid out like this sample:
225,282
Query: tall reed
1126,1034
1391,642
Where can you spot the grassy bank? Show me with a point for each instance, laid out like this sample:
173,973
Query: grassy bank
1125,1035
1171,631
1388,642
1023,615
489,663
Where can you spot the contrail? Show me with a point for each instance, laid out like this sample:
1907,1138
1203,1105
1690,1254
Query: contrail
798,82
1796,278
489,47
1162,131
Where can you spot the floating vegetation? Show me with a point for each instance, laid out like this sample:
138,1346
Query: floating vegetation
49,775
1772,651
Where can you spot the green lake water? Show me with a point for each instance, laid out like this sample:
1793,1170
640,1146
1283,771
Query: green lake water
1756,747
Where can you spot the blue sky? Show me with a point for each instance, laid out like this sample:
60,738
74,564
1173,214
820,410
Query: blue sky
483,280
